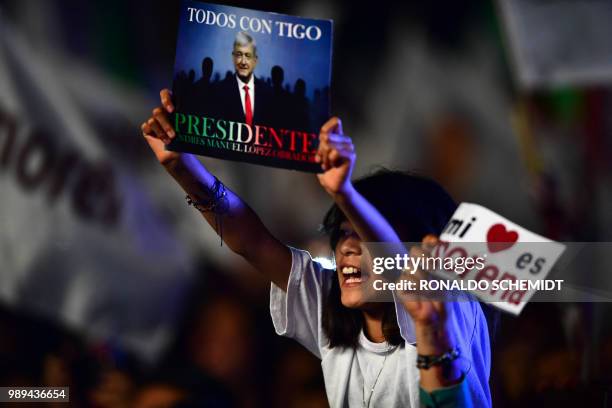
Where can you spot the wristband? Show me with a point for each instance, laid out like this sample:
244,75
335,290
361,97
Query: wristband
217,204
426,362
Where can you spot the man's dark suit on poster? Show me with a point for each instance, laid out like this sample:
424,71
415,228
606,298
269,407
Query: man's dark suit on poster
229,103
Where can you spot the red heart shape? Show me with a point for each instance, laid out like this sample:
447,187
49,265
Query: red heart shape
500,239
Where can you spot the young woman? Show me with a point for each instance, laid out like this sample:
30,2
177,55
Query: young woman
368,350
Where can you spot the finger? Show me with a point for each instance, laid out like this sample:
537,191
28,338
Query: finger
421,272
158,131
337,141
332,125
163,121
146,129
429,242
338,138
148,134
342,146
322,149
323,137
166,100
339,127
152,140
332,141
337,157
325,159
323,152
334,158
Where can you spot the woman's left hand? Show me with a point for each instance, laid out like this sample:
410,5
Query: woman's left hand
429,316
337,156
433,337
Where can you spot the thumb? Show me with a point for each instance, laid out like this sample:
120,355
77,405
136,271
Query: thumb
339,127
333,125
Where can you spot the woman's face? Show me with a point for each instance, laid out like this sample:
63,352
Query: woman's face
352,277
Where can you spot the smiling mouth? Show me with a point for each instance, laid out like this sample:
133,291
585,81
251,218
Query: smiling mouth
351,276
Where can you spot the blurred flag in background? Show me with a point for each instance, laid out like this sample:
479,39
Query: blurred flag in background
80,240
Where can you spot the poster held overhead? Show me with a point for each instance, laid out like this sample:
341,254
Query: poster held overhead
251,86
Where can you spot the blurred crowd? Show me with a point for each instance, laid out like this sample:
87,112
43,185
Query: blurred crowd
224,354
242,363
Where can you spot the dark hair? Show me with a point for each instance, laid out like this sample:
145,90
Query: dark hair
415,206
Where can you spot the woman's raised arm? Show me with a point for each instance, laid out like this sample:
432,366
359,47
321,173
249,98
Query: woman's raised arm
239,226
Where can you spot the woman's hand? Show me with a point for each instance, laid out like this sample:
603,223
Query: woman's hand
429,316
433,337
337,157
158,131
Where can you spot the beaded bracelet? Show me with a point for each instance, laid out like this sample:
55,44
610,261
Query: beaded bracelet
426,362
216,204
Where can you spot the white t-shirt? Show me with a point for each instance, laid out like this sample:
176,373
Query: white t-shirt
390,370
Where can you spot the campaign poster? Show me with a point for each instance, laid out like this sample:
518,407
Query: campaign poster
251,86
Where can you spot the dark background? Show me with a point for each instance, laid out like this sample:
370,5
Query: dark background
424,86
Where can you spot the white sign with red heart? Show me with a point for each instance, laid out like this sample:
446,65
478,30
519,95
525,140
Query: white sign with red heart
514,256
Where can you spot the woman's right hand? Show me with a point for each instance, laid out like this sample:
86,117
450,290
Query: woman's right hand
158,131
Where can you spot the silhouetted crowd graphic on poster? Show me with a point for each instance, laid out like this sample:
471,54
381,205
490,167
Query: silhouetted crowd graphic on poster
277,103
